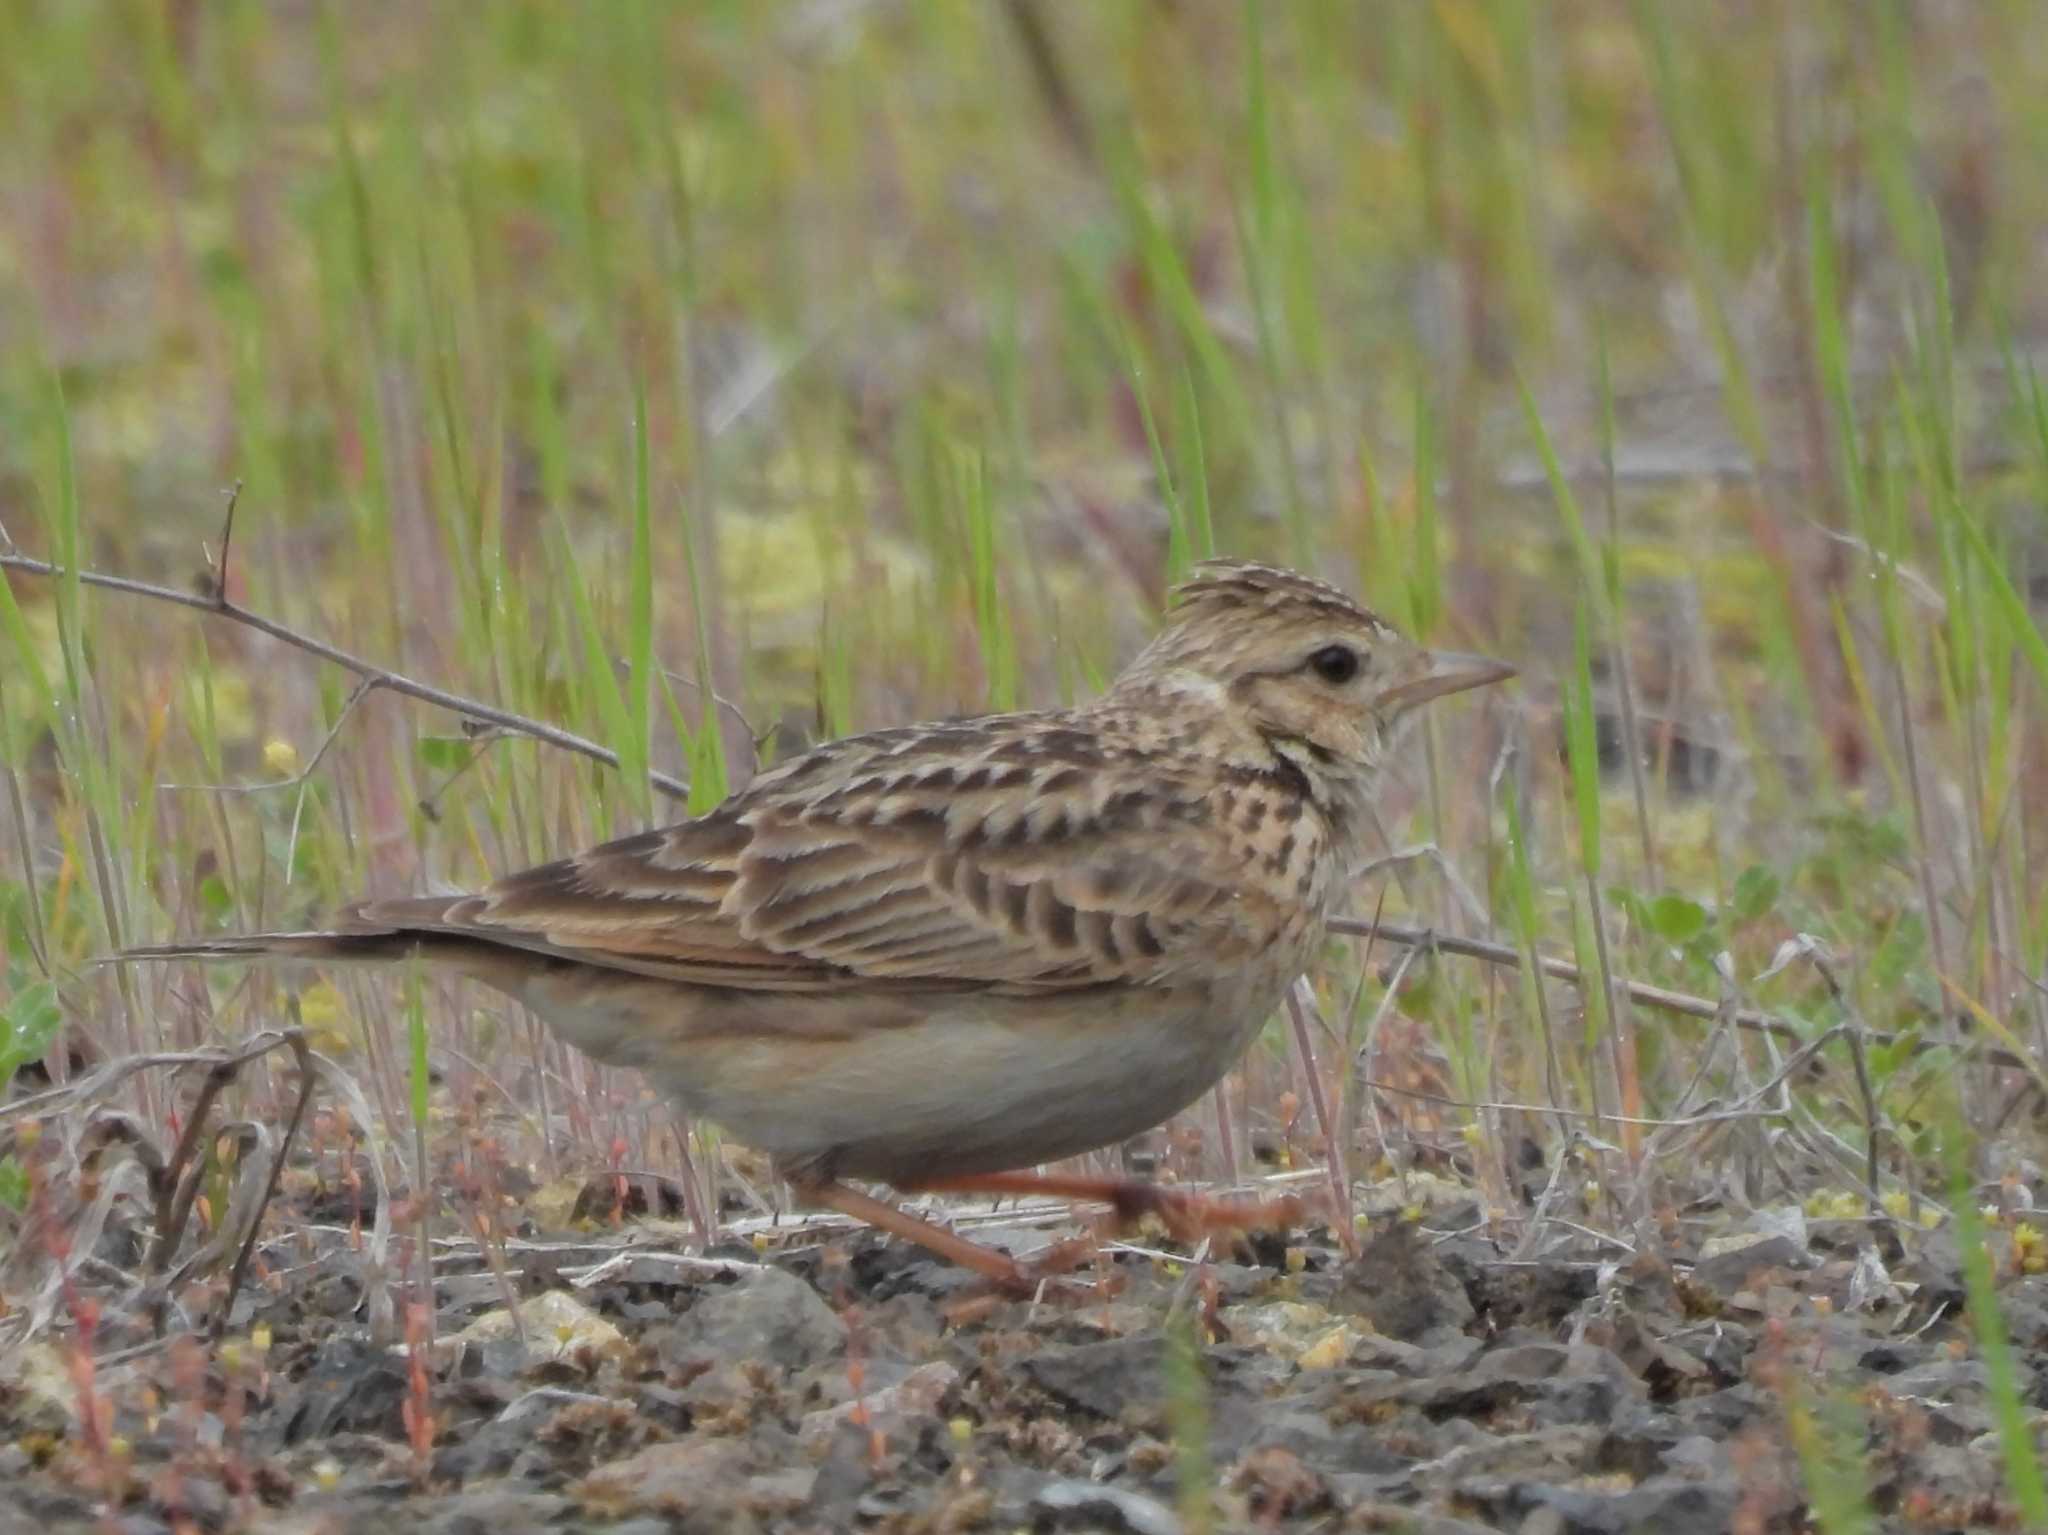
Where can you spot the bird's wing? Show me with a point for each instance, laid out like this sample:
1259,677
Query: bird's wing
1008,853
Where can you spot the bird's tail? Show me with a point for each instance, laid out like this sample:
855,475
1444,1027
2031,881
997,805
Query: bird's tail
339,944
373,931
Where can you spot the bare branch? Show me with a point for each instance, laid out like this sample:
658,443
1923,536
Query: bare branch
369,671
756,739
1563,969
1301,1005
1639,991
296,1038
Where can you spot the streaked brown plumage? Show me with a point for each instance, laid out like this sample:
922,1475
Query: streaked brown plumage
932,954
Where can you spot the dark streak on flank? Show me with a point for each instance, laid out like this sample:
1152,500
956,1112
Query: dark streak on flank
913,818
1109,880
1125,808
973,882
1064,743
1057,921
1098,930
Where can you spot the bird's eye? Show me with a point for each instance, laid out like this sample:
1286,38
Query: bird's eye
1335,664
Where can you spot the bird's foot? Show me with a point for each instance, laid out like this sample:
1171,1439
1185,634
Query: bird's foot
1187,1215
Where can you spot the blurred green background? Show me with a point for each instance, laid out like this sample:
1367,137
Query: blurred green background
863,360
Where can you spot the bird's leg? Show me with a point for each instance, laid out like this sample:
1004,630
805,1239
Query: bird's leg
1187,1215
987,1261
1037,1279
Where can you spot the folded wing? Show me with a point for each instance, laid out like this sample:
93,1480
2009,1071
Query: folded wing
1011,853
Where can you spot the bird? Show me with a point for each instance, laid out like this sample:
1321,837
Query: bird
939,956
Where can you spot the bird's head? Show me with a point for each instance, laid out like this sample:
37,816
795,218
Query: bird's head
1322,680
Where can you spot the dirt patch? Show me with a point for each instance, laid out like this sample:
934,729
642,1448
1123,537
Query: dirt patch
1433,1383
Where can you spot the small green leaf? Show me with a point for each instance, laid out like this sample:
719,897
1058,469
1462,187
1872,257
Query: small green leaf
1676,919
214,896
1887,1057
14,920
28,1024
1421,998
1756,891
13,1183
1900,958
444,754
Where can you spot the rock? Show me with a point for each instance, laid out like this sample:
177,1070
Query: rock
1722,1349
353,1386
1397,1517
1718,1414
711,1483
1538,1295
1936,1266
1308,1335
1489,1458
1642,1346
1329,1350
1951,1395
1787,1221
770,1316
1698,1457
1575,1383
480,1450
1670,1507
1734,1268
1244,1429
544,1401
1276,1484
1075,1505
556,1323
918,1394
1103,1378
494,1511
788,1488
1401,1286
39,1396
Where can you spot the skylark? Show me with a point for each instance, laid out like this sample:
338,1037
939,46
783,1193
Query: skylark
936,956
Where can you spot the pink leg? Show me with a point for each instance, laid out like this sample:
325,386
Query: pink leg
1185,1214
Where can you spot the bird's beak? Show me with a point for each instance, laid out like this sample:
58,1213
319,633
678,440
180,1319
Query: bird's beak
1443,671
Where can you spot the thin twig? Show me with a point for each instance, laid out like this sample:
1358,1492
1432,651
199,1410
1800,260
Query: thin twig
1366,1052
430,802
296,1038
79,1089
1856,1029
356,695
756,739
1561,969
187,1169
383,676
1300,1003
1680,1002
1746,1108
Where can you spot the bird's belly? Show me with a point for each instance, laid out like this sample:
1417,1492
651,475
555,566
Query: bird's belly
981,1085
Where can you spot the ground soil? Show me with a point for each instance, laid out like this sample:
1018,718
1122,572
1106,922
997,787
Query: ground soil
1434,1382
